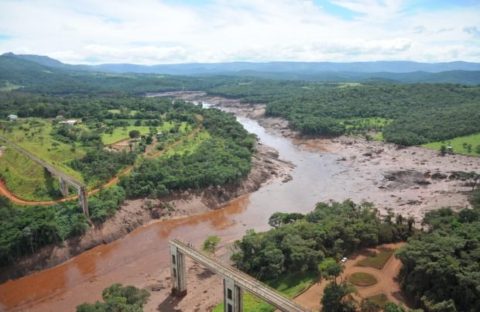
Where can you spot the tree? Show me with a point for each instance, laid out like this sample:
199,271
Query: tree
369,306
392,307
280,218
118,298
334,298
443,150
330,269
210,244
133,134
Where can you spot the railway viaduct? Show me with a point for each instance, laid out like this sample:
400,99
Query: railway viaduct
235,282
64,179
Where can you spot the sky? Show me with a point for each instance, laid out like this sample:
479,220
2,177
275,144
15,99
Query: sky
175,31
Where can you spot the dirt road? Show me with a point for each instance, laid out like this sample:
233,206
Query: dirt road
4,191
386,277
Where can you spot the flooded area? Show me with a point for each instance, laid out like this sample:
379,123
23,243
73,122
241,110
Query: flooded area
144,251
141,257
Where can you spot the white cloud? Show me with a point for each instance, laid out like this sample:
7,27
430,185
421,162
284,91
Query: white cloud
154,31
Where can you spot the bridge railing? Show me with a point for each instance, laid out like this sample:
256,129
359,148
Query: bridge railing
241,279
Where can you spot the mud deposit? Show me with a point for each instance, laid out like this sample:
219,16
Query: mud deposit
410,181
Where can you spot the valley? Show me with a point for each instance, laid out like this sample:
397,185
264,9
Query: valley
292,176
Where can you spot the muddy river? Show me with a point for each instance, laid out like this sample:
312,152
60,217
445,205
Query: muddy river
142,253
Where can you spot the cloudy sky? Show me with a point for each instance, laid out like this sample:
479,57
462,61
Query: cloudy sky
176,31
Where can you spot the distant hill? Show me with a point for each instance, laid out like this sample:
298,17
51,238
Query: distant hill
291,67
19,69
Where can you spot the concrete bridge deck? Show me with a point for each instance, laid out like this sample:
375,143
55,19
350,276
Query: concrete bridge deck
241,280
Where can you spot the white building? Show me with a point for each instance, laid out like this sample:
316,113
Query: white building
70,122
12,117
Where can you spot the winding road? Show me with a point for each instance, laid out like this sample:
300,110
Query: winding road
4,191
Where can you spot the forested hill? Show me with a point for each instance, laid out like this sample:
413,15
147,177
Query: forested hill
410,114
386,71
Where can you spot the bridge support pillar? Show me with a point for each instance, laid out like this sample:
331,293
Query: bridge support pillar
232,296
82,198
177,268
63,187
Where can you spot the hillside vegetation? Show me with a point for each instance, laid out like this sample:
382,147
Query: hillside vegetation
441,267
195,148
298,243
419,113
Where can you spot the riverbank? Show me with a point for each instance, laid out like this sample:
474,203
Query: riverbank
266,166
410,181
141,257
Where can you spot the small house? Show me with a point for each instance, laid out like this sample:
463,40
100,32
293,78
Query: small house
70,122
12,117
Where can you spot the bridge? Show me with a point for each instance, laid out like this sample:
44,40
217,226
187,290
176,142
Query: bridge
235,282
64,179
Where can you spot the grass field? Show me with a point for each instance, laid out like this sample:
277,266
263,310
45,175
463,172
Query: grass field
188,146
458,145
377,260
362,279
366,123
118,111
25,177
290,285
34,136
29,181
120,134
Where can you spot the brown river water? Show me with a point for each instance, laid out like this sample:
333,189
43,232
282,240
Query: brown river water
140,255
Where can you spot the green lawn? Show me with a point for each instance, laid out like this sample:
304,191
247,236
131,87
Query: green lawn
118,111
188,146
122,133
366,123
362,279
34,136
289,285
378,260
458,145
26,178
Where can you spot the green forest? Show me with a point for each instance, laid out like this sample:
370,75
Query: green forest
220,155
298,243
441,264
118,298
419,113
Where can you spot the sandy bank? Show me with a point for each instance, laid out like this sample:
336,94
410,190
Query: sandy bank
410,181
